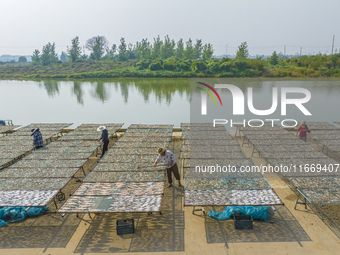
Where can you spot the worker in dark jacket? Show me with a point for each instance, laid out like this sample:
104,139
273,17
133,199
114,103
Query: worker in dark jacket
37,138
104,138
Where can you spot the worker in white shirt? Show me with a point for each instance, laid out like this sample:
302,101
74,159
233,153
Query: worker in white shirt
168,159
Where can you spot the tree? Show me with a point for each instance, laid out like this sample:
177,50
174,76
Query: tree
189,50
53,55
74,52
180,48
122,52
242,52
198,49
22,59
208,51
132,52
156,49
98,45
274,59
49,56
36,57
168,48
63,57
144,49
84,56
111,52
45,55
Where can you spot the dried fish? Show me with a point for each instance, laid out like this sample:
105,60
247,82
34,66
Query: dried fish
209,148
26,197
148,203
216,162
193,173
314,125
322,196
315,182
211,142
231,197
79,137
294,154
4,129
120,188
211,155
226,183
33,183
49,163
38,172
74,143
154,176
142,126
130,166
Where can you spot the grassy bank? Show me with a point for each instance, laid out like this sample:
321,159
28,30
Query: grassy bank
304,67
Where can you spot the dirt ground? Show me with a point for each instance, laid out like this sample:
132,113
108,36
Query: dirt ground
178,230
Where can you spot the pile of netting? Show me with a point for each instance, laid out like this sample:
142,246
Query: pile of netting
258,212
14,214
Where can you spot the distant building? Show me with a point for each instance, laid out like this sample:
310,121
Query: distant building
11,58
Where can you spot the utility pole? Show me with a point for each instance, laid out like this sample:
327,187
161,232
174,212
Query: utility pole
284,51
300,51
333,44
226,50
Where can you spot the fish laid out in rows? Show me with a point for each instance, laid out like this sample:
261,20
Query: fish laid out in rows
120,188
231,197
26,197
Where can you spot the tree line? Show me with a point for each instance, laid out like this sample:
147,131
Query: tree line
167,58
100,49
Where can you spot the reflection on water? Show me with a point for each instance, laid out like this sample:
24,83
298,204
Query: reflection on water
162,89
259,84
148,101
322,106
52,87
78,92
100,91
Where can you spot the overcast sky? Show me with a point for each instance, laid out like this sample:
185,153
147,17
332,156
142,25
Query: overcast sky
266,25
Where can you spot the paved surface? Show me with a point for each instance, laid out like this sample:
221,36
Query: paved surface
178,230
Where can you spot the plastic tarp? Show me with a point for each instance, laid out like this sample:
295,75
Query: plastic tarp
258,212
14,214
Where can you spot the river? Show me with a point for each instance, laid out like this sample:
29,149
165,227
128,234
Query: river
140,100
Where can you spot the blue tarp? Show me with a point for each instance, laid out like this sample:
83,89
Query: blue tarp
14,214
258,212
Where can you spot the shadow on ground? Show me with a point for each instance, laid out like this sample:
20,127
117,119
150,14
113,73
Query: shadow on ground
153,233
46,231
284,229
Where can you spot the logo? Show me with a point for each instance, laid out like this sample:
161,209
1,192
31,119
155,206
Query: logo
239,99
204,97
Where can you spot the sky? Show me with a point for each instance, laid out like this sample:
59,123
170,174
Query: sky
266,25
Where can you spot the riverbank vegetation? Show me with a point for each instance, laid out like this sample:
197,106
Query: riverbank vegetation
164,58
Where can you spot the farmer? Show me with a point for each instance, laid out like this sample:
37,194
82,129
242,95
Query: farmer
37,138
168,159
104,137
302,130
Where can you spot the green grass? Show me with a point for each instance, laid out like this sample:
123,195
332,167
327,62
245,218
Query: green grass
304,68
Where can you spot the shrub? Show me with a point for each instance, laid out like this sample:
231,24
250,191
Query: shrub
198,65
226,66
170,63
184,65
143,64
240,65
214,67
156,64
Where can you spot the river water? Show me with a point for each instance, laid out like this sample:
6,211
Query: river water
136,100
